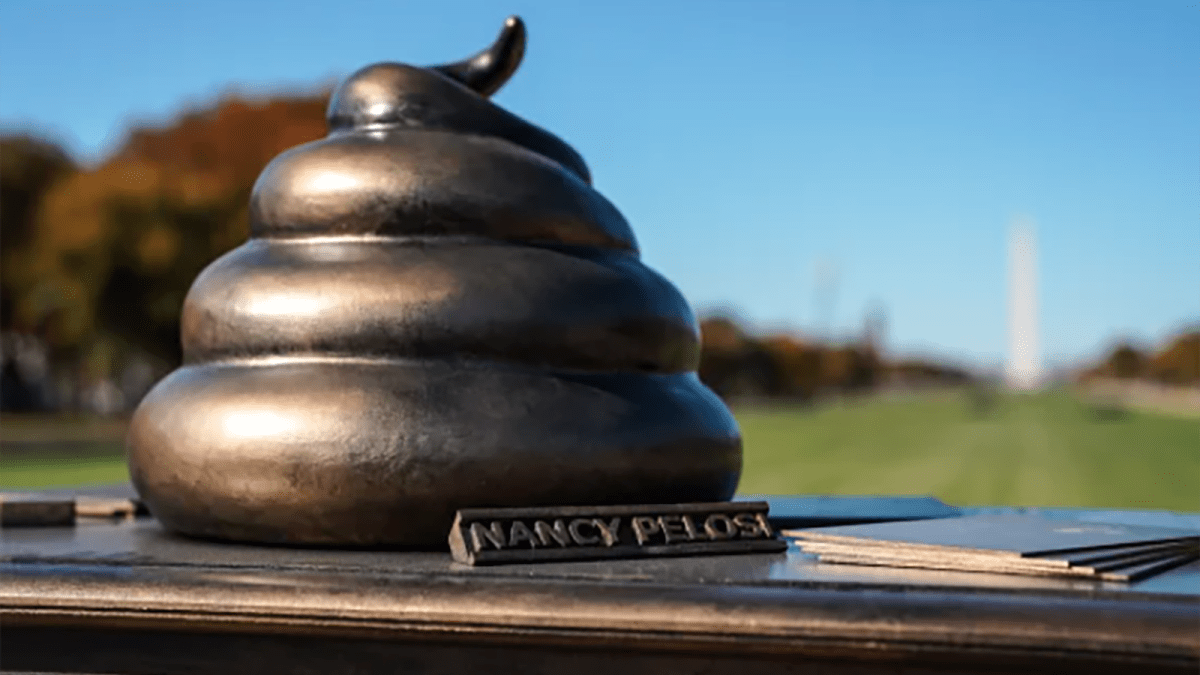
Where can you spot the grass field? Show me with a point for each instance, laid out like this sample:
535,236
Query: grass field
1046,449
36,451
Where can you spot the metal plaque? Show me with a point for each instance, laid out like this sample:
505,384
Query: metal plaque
554,533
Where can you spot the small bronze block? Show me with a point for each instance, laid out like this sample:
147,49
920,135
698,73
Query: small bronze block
35,511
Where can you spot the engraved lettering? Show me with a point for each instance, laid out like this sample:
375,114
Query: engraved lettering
719,526
747,524
690,528
579,538
558,533
481,534
643,528
485,536
672,528
609,530
763,525
521,533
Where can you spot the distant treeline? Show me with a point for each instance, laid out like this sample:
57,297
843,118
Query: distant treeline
1177,363
736,364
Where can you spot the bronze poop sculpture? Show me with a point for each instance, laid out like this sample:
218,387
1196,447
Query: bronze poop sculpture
435,310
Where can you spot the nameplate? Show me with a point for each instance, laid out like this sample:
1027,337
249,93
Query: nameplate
544,534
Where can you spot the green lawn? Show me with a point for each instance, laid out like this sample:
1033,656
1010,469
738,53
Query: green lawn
24,472
1047,449
39,450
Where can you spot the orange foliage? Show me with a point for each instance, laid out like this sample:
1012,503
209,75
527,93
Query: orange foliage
1179,362
736,365
114,249
233,141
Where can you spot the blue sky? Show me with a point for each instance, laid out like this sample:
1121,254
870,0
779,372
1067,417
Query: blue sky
759,147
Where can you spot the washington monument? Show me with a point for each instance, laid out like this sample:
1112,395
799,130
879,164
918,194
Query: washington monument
1024,363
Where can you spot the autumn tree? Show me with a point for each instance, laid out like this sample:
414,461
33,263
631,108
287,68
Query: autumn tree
114,249
1179,362
1125,362
731,363
28,168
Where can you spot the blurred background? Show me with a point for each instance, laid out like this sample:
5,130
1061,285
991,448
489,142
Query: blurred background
940,248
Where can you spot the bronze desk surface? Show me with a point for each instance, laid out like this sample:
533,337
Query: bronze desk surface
126,596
